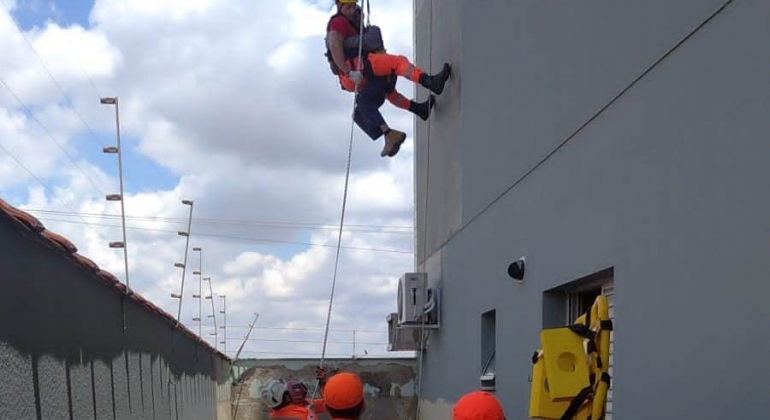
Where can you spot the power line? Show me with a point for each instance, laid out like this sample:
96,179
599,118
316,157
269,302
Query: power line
47,188
51,136
240,238
256,223
90,81
93,136
56,82
99,94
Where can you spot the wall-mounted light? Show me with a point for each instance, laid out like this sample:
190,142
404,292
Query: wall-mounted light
517,269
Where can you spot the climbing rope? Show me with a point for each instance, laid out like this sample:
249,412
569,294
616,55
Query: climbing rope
425,234
344,203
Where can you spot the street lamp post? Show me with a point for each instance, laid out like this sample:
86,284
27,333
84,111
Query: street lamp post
184,264
224,322
213,311
199,273
118,197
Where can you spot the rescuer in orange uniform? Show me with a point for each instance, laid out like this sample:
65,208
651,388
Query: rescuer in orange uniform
344,396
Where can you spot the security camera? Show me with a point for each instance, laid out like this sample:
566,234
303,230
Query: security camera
516,269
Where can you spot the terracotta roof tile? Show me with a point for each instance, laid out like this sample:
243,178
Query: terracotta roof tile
109,277
59,240
27,220
31,224
87,262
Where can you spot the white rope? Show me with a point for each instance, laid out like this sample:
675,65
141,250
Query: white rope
421,349
344,204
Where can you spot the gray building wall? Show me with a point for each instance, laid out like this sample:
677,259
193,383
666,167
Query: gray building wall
64,353
389,384
538,149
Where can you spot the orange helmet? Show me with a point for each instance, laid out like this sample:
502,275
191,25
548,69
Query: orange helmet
478,405
343,391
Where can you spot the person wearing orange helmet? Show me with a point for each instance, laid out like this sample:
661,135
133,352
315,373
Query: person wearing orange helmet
478,405
344,396
375,76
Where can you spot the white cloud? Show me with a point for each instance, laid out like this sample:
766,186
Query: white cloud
236,100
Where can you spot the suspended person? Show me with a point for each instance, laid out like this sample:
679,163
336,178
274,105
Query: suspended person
478,405
377,77
372,43
344,396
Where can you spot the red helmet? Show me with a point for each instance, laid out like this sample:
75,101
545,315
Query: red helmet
297,391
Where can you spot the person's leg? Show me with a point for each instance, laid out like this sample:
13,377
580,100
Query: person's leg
386,64
421,109
398,100
368,117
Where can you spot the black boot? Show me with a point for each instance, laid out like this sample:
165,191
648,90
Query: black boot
436,82
422,109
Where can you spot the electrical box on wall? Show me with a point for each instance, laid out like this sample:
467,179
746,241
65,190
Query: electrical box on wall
418,305
401,339
411,287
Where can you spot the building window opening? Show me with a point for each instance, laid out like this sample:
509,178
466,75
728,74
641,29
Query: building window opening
580,302
488,349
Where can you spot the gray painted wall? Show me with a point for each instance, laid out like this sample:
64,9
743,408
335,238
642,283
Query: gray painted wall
64,353
667,186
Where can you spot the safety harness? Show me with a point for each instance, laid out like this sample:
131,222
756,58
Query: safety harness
349,52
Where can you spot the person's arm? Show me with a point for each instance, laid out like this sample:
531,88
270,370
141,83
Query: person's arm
319,406
336,46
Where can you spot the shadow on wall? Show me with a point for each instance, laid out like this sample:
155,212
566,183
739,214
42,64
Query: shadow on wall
389,386
74,347
132,385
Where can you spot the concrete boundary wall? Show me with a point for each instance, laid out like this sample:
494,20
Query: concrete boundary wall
73,346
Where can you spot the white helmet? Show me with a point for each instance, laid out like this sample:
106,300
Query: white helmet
273,392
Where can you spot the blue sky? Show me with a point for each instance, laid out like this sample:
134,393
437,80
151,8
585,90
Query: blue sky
30,13
269,157
141,173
